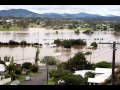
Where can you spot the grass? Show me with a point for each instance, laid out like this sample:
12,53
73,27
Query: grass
34,74
34,25
12,28
51,82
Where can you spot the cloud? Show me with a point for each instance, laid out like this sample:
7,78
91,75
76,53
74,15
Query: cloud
93,9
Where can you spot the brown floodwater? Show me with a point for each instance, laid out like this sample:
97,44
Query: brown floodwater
40,35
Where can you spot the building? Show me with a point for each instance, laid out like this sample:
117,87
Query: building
101,74
2,69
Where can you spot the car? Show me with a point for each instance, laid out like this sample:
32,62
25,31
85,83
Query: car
16,82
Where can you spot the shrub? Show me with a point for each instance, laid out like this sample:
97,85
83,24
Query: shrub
13,76
94,44
103,64
26,65
89,75
34,68
7,76
18,71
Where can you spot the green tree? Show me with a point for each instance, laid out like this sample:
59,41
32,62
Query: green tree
18,71
34,68
88,75
57,42
11,67
51,60
94,44
103,64
26,65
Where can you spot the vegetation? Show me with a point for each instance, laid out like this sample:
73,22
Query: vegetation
94,44
51,60
26,65
69,43
103,64
14,43
117,78
88,75
77,32
88,32
78,62
34,68
68,77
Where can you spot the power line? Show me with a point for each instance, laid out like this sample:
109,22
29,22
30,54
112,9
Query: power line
113,60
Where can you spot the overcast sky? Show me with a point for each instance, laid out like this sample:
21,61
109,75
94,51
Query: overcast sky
92,9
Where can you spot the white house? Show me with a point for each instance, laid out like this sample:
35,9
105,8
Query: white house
101,74
2,69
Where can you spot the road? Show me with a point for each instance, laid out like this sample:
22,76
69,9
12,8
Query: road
39,79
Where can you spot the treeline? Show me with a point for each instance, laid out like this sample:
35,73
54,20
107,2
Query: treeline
22,43
69,43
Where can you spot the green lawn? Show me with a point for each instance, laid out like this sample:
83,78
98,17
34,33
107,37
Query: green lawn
51,82
34,74
12,28
34,25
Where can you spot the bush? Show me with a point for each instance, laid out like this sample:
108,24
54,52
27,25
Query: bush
11,67
94,44
89,75
18,71
51,60
103,64
34,68
26,65
7,76
13,76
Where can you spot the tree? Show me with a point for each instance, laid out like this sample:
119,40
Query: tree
26,65
103,64
11,67
88,75
117,27
57,42
34,68
68,77
94,44
78,62
51,60
12,60
18,71
22,24
71,79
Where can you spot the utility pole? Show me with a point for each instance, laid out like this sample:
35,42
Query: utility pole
47,68
113,61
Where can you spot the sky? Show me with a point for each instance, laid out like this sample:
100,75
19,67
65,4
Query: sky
71,9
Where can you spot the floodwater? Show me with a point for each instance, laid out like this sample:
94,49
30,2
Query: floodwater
40,35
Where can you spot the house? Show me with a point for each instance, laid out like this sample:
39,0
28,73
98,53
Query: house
101,74
2,69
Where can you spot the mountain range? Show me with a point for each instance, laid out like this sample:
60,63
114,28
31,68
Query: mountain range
27,13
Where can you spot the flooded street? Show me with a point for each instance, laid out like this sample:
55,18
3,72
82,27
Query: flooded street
42,36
